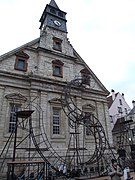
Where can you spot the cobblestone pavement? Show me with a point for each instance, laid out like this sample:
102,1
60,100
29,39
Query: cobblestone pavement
100,178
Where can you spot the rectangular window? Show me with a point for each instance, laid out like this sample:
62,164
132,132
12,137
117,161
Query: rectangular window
12,121
88,128
56,121
120,110
57,44
126,111
85,76
111,119
120,101
85,79
57,70
21,64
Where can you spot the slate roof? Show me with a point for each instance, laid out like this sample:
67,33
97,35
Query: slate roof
53,4
121,125
118,126
132,111
110,100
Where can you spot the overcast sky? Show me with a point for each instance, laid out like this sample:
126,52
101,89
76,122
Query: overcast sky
101,31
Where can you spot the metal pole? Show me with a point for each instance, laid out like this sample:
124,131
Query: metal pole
14,148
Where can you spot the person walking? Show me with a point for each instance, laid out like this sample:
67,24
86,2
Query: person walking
127,173
115,171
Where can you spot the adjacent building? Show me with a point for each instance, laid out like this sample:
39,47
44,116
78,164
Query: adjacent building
131,114
122,125
131,117
118,107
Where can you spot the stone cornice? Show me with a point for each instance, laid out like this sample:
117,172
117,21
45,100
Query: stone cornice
57,54
46,84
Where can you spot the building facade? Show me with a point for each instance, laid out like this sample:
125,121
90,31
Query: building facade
118,107
131,118
122,128
32,77
124,138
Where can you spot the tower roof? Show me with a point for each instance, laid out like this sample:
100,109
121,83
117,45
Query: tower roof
53,4
52,10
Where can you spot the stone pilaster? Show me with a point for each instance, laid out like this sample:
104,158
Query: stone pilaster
2,120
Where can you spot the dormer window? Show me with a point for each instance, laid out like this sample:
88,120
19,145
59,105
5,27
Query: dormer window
21,61
57,68
57,44
85,74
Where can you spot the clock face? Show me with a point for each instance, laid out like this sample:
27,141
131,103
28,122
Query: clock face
57,23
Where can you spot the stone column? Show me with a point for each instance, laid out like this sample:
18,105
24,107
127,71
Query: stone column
44,108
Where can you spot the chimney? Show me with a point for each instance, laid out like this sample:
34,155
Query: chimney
113,94
123,95
133,102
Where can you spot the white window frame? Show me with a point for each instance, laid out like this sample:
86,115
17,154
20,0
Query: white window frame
56,121
14,107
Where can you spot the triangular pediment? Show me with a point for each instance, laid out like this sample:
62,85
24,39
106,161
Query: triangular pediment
22,54
89,107
95,83
54,100
16,97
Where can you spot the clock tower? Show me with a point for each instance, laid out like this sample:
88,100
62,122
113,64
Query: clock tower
53,17
53,30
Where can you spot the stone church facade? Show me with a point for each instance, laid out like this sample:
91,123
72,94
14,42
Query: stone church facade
34,75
